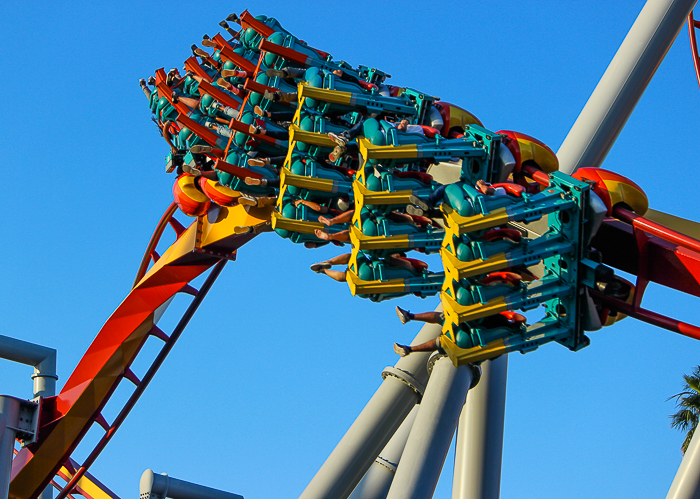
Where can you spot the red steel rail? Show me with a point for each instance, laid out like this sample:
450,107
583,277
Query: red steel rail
692,26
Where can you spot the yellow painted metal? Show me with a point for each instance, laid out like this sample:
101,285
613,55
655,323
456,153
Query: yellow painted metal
370,151
364,196
461,356
457,314
296,120
457,269
301,226
325,95
459,225
461,118
358,286
682,225
89,485
296,134
219,224
311,183
624,193
368,243
534,150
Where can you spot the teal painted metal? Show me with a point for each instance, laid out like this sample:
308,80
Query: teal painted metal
357,108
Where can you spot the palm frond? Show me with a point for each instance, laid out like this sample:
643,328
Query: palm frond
687,416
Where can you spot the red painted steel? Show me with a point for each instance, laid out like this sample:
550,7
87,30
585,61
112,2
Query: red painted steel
67,417
167,216
692,25
650,317
666,263
141,386
655,229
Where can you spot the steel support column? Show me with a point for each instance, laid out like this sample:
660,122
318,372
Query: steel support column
377,481
374,427
479,449
686,484
429,441
43,359
622,85
9,420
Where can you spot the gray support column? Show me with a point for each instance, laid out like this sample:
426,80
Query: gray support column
154,486
686,484
622,85
44,378
429,441
9,420
42,358
377,481
373,428
479,449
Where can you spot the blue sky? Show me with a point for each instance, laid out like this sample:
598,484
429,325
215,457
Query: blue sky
279,361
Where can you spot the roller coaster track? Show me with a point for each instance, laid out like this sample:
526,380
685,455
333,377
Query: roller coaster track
208,243
692,26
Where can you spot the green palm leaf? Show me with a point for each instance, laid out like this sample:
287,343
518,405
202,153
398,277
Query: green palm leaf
688,405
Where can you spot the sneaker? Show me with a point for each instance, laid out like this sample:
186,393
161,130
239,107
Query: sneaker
415,211
191,170
201,149
415,200
318,267
341,140
242,230
401,350
255,181
247,200
256,162
233,18
404,315
337,153
277,73
208,42
151,80
199,52
255,130
223,84
224,25
273,96
260,111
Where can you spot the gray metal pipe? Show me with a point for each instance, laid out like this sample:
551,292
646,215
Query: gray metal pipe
590,139
479,449
377,481
374,427
154,486
9,420
686,483
429,441
43,359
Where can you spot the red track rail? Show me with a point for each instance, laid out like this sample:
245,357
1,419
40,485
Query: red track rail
67,417
692,26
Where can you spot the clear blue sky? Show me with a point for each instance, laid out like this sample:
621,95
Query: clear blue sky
279,361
